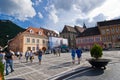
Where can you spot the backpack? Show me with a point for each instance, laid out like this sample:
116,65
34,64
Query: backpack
8,55
40,53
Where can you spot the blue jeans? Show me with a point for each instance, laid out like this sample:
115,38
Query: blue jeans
9,63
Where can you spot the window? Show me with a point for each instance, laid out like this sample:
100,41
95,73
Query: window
79,41
33,48
113,37
37,40
28,40
40,33
31,31
117,29
33,40
43,41
97,39
112,30
103,31
108,31
91,40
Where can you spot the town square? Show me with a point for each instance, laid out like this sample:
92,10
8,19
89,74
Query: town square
59,40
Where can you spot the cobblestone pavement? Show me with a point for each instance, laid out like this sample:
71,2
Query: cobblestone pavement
111,73
51,66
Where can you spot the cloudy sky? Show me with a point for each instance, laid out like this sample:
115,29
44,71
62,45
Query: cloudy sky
54,14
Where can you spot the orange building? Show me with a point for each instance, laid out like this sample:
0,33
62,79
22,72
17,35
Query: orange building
32,38
110,33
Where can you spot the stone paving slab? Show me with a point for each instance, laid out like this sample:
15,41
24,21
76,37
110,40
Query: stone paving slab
111,73
51,66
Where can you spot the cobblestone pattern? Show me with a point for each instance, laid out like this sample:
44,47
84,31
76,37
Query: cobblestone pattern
51,66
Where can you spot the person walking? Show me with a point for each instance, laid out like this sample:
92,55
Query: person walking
27,55
9,61
31,56
73,55
40,56
59,51
79,52
20,56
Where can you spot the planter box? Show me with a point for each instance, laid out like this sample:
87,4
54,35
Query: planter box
98,63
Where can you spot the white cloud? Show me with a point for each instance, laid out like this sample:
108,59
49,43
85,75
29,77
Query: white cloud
37,2
110,9
70,12
20,9
62,4
52,13
40,15
87,5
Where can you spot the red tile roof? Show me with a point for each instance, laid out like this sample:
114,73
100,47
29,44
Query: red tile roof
35,30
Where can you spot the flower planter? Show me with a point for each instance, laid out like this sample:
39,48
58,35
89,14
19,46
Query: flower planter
99,63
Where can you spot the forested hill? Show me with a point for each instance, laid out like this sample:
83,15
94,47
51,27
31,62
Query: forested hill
8,30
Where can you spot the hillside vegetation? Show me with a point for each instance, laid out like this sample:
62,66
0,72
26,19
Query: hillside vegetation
8,30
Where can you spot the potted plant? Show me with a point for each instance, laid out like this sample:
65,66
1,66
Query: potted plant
1,71
96,61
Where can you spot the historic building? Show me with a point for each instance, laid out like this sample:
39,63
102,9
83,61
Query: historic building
32,38
70,33
50,33
88,38
110,33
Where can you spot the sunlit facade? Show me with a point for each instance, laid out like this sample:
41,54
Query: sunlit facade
32,39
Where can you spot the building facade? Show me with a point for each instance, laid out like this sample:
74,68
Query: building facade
110,33
32,39
50,33
88,38
69,33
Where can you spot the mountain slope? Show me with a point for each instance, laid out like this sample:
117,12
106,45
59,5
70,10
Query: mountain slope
8,30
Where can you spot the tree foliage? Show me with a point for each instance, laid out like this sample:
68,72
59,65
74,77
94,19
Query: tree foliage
96,51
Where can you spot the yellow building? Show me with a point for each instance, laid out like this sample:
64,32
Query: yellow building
110,33
32,38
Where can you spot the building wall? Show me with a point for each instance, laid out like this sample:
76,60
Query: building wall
88,41
16,44
24,41
71,38
34,42
110,35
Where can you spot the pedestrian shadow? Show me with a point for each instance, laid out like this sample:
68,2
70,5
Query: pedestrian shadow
93,72
83,71
66,64
16,79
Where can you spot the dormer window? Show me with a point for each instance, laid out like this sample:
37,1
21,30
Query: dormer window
31,31
40,33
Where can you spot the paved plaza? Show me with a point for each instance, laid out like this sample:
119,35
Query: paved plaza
52,66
